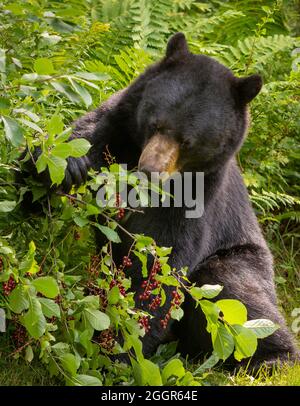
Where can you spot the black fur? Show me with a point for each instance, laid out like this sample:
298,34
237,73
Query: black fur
203,105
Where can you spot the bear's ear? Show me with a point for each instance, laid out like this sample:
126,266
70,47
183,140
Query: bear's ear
247,88
177,45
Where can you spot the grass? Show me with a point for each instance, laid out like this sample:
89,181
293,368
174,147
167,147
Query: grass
287,266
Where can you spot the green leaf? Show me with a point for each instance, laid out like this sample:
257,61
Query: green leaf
2,60
6,206
150,373
223,342
34,320
143,258
57,167
79,147
55,125
61,348
87,380
163,251
261,327
66,91
63,150
83,93
41,163
13,131
208,364
245,342
233,310
69,363
29,264
49,307
98,320
173,368
4,104
112,235
177,314
46,285
29,354
211,291
92,76
211,312
207,291
114,295
43,66
18,300
81,221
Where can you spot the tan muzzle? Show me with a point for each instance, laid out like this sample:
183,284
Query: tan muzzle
160,155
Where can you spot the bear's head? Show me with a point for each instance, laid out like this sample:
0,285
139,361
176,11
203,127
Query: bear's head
193,112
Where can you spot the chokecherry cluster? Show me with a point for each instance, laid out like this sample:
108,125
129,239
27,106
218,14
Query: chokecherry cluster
151,283
19,336
77,235
106,340
175,303
144,322
93,269
121,210
58,299
92,289
127,263
120,286
9,286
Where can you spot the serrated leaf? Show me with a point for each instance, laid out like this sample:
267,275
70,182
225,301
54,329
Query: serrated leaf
41,163
98,320
112,235
261,327
43,66
234,311
81,221
34,320
177,314
57,167
13,131
143,258
29,354
49,307
223,342
63,150
245,342
114,295
87,380
55,125
92,76
173,368
207,291
82,92
7,205
46,285
69,363
150,373
18,300
79,147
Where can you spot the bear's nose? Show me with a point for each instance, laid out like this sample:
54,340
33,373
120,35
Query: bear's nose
160,154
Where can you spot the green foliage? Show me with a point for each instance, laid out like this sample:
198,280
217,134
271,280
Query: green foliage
59,59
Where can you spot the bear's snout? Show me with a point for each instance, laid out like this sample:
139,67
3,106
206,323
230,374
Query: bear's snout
160,154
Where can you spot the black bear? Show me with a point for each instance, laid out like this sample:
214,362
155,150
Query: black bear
196,108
